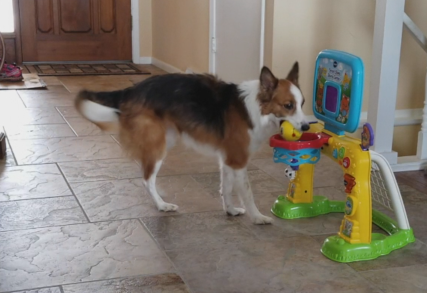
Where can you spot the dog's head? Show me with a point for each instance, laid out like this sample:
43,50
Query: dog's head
282,98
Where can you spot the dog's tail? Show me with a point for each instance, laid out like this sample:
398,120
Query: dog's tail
101,108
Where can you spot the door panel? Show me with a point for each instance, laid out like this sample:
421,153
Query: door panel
238,39
75,16
75,30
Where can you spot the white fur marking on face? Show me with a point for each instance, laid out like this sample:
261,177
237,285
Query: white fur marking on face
98,113
298,119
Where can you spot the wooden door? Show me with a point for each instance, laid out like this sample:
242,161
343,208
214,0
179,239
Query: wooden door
75,30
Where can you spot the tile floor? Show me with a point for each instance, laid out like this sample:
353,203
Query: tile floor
75,217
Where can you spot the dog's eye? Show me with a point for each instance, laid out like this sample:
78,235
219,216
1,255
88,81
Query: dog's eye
289,106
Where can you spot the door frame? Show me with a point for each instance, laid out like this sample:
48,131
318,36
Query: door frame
134,4
212,35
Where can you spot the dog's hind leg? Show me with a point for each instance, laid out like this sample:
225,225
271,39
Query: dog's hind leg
145,137
150,184
244,191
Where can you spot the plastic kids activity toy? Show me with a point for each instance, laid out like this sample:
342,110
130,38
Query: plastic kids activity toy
337,101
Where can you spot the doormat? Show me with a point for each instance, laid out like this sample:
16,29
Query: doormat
30,81
87,69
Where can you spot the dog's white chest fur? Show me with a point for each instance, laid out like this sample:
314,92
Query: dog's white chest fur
264,126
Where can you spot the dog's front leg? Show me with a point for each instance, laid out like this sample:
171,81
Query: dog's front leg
227,179
244,191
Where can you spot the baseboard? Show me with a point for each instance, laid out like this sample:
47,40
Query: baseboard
409,163
165,66
145,60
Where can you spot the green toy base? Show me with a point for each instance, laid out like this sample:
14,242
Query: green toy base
339,250
335,247
285,209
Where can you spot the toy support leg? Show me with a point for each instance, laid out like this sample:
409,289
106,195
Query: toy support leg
300,190
300,202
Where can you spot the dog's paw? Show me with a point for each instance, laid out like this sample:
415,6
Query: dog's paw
167,207
235,211
262,220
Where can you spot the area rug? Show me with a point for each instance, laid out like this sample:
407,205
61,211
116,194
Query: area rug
86,69
30,81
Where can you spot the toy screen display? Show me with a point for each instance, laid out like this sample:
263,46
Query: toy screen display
331,97
333,90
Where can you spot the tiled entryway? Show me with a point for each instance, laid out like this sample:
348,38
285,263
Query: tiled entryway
75,217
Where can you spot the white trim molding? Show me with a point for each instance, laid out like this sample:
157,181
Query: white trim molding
145,60
385,73
165,66
409,163
135,31
401,117
212,35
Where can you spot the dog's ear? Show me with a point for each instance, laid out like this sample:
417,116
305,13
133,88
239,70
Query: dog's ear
293,75
268,80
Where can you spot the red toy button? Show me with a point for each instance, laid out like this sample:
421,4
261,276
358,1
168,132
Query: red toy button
346,162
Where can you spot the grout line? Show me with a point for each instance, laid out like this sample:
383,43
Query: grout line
72,191
364,278
37,288
36,198
177,272
92,281
117,278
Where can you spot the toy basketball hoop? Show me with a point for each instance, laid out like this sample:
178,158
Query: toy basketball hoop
306,150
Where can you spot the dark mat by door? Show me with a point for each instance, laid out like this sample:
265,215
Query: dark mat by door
87,69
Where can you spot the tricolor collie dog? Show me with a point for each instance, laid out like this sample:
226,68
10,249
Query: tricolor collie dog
226,120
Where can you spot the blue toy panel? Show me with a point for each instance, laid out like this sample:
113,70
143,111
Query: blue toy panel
338,90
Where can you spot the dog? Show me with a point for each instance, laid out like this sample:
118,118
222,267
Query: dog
226,120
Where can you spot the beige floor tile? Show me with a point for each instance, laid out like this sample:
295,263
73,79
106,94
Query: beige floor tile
38,131
260,182
51,80
37,213
68,149
114,199
408,279
100,170
85,128
68,111
59,88
124,199
31,116
51,97
37,181
291,265
9,102
283,228
41,101
44,257
167,283
197,229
